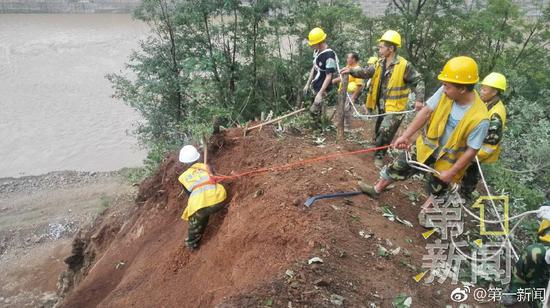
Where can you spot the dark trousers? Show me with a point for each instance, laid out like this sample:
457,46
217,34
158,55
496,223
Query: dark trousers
198,222
469,181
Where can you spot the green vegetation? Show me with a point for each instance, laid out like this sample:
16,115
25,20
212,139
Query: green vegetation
104,202
227,61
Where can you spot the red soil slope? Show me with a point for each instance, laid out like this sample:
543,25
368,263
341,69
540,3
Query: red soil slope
137,259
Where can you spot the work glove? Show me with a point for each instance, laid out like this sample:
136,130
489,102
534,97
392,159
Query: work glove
544,212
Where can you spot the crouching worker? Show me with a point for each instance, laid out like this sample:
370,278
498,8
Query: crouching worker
532,270
457,124
205,197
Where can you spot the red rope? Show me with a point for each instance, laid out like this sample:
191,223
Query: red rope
219,178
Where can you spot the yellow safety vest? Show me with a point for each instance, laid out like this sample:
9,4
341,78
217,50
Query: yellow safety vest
428,141
358,81
544,236
204,192
397,93
489,153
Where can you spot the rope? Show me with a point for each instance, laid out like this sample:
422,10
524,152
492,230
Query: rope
418,165
498,221
370,116
220,178
493,203
505,242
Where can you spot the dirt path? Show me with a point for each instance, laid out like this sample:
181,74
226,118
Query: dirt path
39,216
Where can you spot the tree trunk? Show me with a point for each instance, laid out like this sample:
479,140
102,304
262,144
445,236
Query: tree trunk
342,98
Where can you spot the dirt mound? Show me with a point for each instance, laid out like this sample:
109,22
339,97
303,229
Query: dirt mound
255,252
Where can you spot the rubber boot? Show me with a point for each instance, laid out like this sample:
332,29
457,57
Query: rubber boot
368,190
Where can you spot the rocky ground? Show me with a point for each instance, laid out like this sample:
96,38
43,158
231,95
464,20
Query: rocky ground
39,215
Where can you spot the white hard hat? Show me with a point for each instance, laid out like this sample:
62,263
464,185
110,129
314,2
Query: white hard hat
189,154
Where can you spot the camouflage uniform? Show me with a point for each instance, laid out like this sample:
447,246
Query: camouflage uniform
317,112
400,170
387,126
197,224
494,136
531,270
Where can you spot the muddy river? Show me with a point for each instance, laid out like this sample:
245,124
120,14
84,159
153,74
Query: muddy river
56,109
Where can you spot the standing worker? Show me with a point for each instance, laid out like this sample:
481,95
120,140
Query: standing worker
355,86
205,197
393,78
457,123
321,74
491,90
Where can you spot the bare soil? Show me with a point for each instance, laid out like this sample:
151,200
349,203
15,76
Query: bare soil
256,251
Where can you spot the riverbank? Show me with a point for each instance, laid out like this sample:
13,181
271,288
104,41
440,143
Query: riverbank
39,217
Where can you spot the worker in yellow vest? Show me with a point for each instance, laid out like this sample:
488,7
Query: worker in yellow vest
393,78
532,270
457,123
490,92
205,197
355,86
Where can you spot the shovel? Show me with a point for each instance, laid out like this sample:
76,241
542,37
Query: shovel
309,202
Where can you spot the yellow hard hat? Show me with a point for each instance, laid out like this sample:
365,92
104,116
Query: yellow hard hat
352,87
495,80
461,70
543,235
316,36
392,37
372,60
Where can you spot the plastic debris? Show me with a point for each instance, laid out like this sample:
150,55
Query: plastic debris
336,299
364,234
402,301
315,260
392,217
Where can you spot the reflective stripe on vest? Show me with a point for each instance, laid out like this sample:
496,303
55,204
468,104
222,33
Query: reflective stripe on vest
428,141
204,191
397,93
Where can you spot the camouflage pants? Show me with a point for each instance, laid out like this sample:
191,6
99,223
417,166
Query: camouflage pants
400,170
531,270
385,130
317,110
469,181
197,224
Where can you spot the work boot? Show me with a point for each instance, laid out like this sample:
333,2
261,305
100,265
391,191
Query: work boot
368,190
194,243
191,247
378,162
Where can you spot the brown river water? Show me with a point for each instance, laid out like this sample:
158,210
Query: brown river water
56,109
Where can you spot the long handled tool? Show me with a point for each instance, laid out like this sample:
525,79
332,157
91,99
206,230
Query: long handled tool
274,120
309,202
